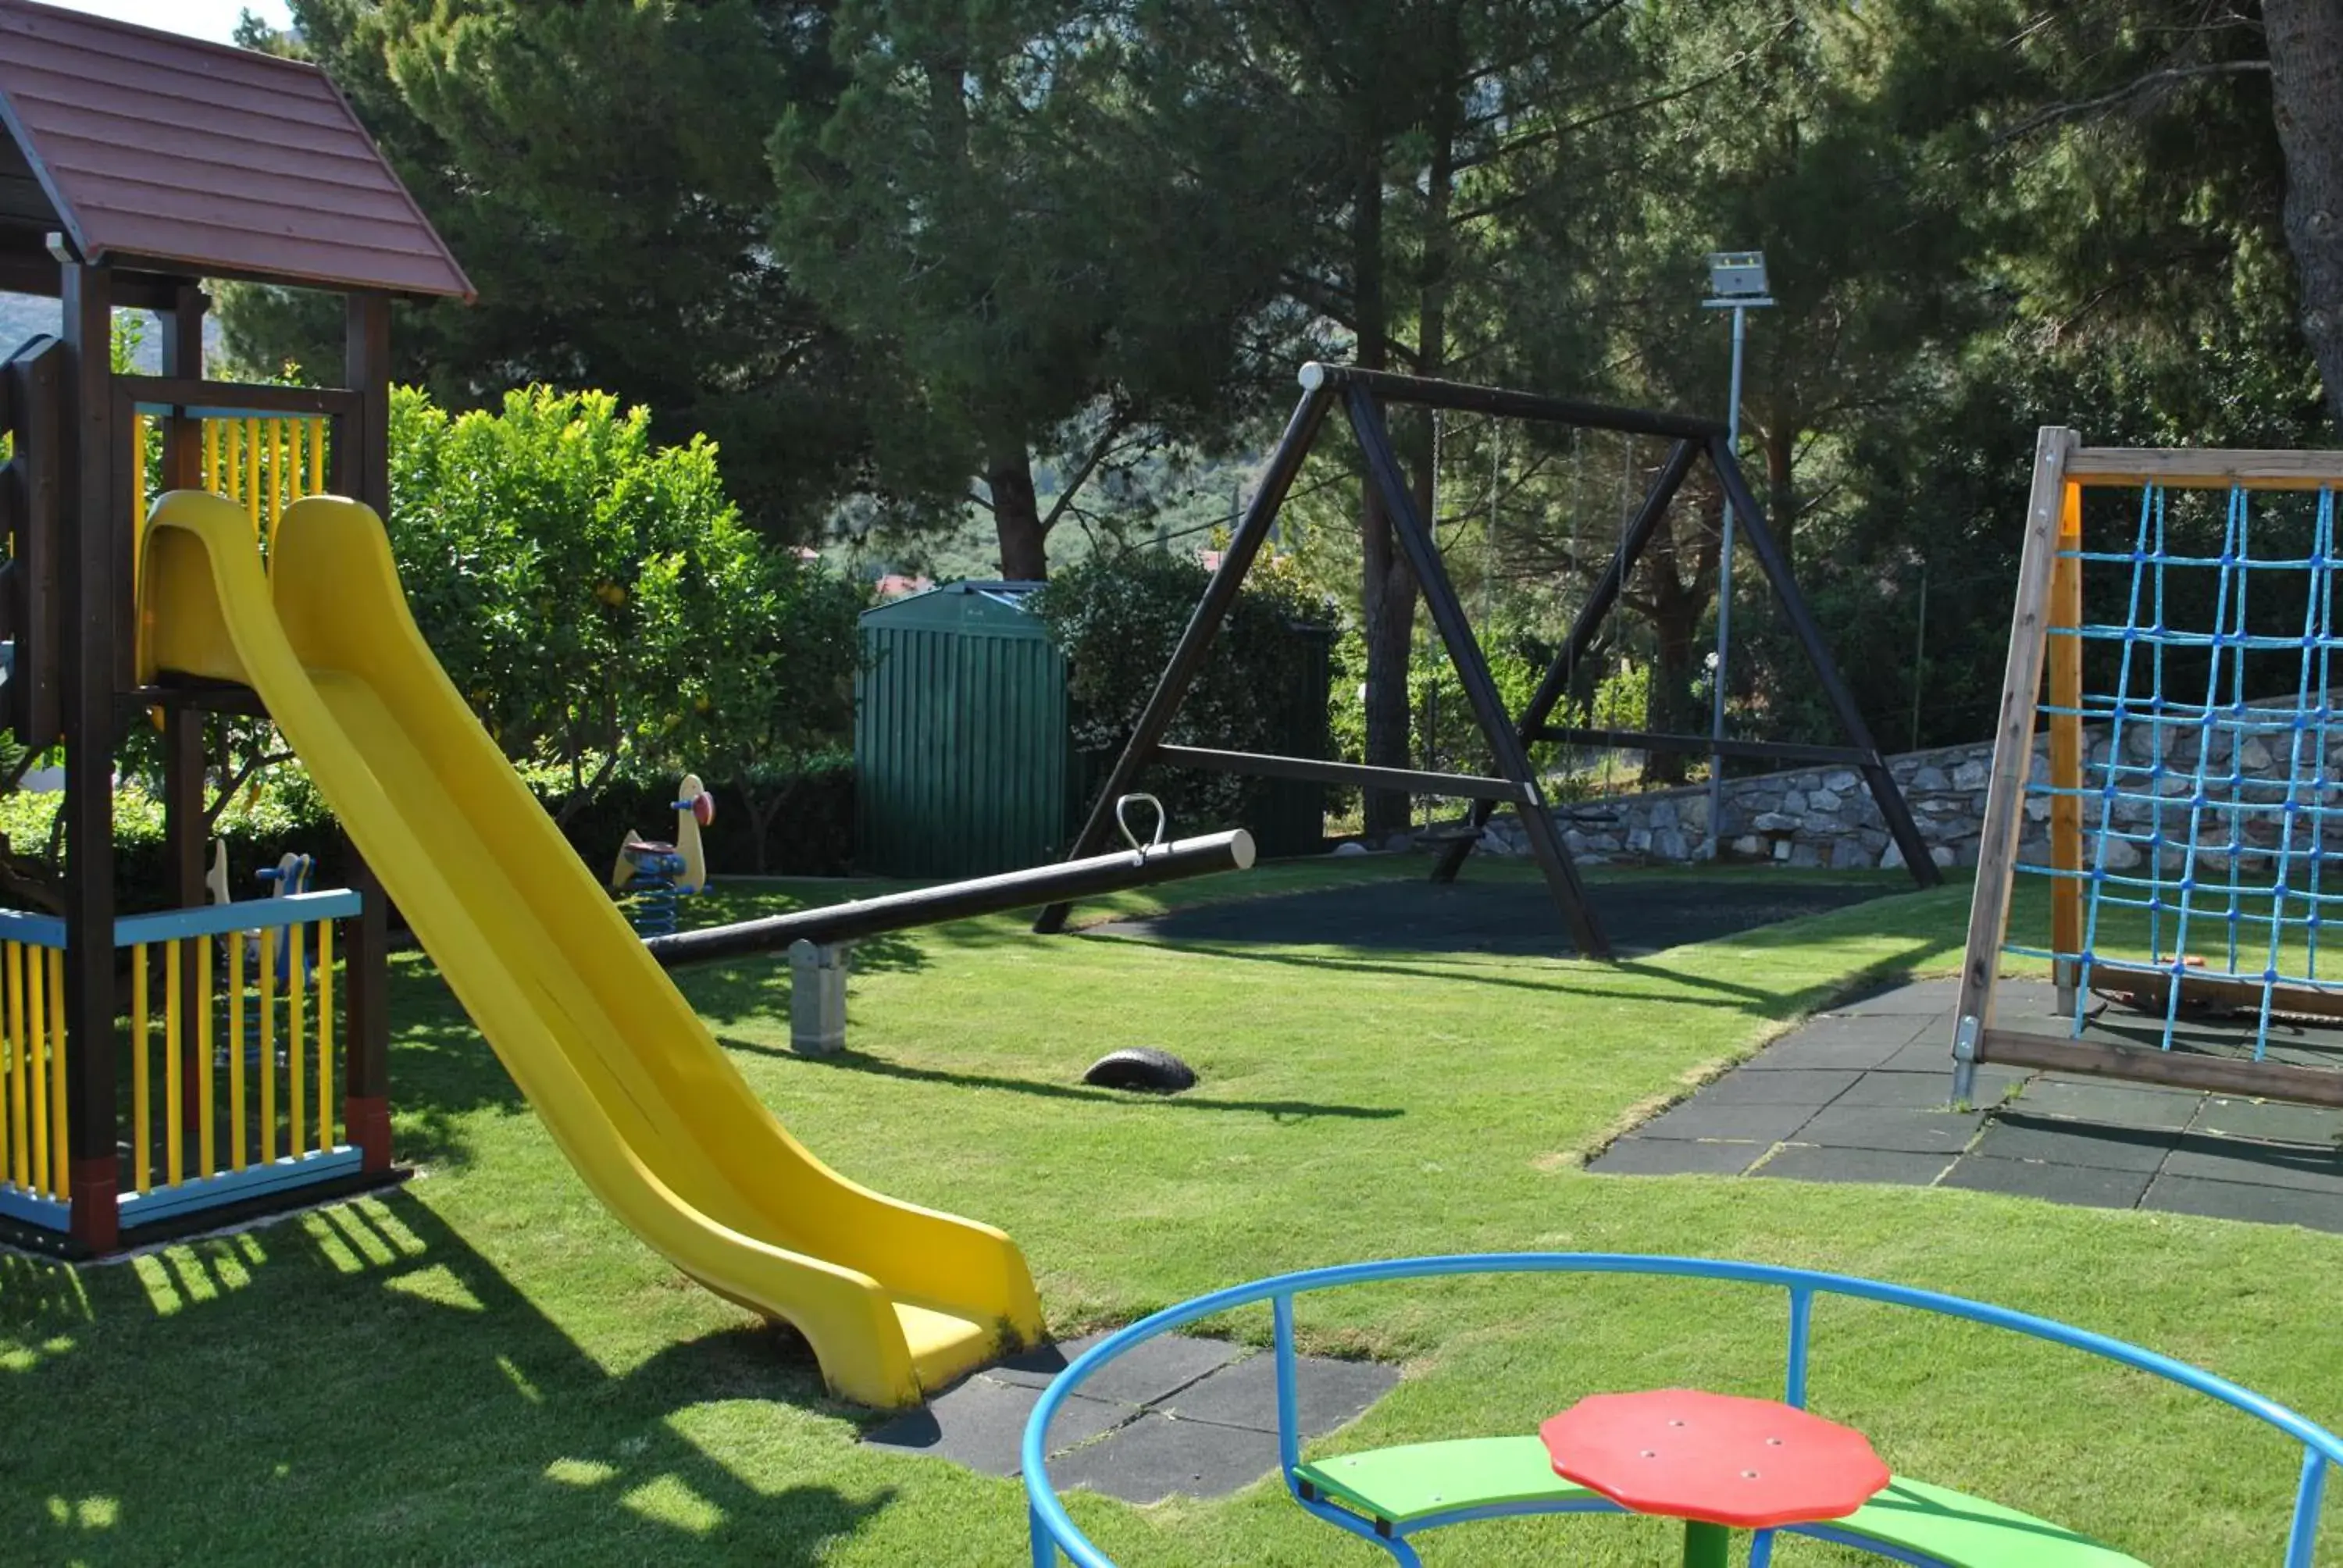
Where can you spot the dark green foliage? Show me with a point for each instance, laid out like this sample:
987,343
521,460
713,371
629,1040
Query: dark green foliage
896,254
1118,618
598,169
806,830
598,600
1029,274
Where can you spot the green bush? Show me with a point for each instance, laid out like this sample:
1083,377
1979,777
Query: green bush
278,812
1118,618
612,621
808,831
599,600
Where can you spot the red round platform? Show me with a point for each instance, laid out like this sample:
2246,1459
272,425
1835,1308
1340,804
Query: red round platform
1750,1463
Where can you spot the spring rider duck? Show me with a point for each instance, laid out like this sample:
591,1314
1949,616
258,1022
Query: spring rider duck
649,875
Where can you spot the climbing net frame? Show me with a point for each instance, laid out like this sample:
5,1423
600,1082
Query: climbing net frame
2175,879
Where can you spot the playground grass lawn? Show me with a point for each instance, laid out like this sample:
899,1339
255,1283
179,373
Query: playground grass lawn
483,1367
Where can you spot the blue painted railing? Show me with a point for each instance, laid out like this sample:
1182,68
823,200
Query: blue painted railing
199,920
1053,1532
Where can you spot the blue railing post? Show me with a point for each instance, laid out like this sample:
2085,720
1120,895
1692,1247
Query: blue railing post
2303,1539
1045,1545
1802,1318
1288,1398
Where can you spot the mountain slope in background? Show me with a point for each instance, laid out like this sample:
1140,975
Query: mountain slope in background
22,315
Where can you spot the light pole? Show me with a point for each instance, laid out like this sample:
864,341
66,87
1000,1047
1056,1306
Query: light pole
1736,282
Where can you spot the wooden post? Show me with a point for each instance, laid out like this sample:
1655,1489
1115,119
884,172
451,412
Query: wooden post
361,458
182,355
2066,651
184,756
97,540
2013,757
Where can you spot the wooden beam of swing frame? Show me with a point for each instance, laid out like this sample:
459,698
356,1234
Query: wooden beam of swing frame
2177,1069
1700,745
2066,658
1364,392
1885,793
1321,385
1196,638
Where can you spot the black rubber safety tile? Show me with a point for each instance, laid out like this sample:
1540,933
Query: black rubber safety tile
2244,1200
1787,1086
2088,1186
1156,1457
1676,1157
1327,1393
2253,1164
1140,1375
980,1423
2110,1104
1697,1117
1891,1129
2076,1143
1885,1167
2311,1125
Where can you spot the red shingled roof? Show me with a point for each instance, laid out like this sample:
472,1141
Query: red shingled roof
175,155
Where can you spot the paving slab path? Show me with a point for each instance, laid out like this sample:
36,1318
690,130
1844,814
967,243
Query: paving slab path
1862,1093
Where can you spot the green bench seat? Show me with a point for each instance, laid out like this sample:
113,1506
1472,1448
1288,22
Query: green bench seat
1398,1488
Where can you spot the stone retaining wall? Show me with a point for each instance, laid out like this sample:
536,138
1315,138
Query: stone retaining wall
1825,816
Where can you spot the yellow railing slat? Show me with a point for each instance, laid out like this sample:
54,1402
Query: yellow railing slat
173,1065
325,1034
24,1042
296,1074
237,1130
37,1031
252,475
206,1105
174,1099
267,1045
60,1136
142,1126
11,967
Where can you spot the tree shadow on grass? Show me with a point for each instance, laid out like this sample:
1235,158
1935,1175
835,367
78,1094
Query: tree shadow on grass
442,1071
1277,1109
1577,980
357,1384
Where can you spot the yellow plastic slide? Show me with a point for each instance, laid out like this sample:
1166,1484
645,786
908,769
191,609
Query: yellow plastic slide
895,1300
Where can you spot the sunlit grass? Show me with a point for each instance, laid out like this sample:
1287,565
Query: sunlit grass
484,1367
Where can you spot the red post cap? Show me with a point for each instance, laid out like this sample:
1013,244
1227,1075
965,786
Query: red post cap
1750,1463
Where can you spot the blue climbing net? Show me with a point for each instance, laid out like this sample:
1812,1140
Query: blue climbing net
2208,795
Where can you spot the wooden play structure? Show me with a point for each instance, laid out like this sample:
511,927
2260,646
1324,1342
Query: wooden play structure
135,165
2194,760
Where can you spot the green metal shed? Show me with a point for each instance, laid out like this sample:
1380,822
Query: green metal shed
964,761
